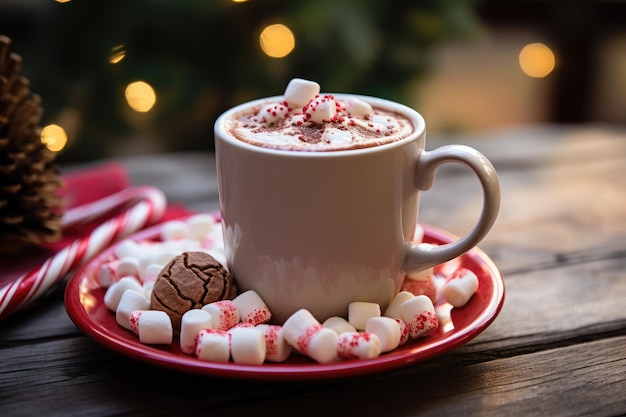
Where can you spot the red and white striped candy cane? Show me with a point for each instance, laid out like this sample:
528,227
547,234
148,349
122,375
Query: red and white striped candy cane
144,206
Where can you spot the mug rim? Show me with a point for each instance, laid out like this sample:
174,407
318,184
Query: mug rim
417,120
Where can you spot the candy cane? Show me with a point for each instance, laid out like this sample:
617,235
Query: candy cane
143,206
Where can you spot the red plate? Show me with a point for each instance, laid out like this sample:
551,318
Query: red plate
85,305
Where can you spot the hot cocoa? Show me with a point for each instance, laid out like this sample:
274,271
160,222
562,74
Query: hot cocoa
305,120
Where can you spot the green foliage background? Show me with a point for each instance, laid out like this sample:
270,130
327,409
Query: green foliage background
203,56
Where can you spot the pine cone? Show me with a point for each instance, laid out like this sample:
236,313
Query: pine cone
30,210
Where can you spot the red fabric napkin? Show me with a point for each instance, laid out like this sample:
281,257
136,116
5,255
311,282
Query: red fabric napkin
80,187
90,184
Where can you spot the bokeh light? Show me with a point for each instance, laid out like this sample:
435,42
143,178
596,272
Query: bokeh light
537,60
140,96
118,52
277,41
54,137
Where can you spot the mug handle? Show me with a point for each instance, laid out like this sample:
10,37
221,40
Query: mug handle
419,258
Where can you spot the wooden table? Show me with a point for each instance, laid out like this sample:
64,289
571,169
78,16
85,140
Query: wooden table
557,348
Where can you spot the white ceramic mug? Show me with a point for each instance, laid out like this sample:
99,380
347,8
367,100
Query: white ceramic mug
318,230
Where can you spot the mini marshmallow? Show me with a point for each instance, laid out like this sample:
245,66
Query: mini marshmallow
218,254
358,346
147,289
393,310
277,348
419,315
165,256
190,325
151,272
299,92
247,346
461,287
418,236
128,265
387,330
175,229
448,269
240,325
302,331
423,286
252,309
114,293
422,274
358,108
338,324
404,331
201,225
224,314
360,311
130,301
321,109
127,247
107,275
213,345
274,112
152,326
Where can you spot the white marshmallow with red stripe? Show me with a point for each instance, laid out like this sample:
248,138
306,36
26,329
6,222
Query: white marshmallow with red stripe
213,345
224,314
307,335
338,324
107,273
247,345
114,293
129,302
240,325
404,331
387,330
152,326
460,287
274,112
190,325
358,345
252,308
112,271
359,312
321,109
393,310
419,315
299,92
277,348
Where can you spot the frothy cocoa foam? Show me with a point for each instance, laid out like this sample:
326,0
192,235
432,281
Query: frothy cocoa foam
324,123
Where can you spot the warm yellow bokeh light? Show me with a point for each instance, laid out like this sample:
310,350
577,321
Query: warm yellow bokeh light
54,137
536,60
118,52
140,96
239,1
62,1
277,40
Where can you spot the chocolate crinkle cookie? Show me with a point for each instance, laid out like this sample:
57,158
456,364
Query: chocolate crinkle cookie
190,280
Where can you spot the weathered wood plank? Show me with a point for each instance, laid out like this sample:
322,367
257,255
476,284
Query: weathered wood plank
583,379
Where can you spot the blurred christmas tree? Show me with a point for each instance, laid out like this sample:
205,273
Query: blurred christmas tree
203,56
